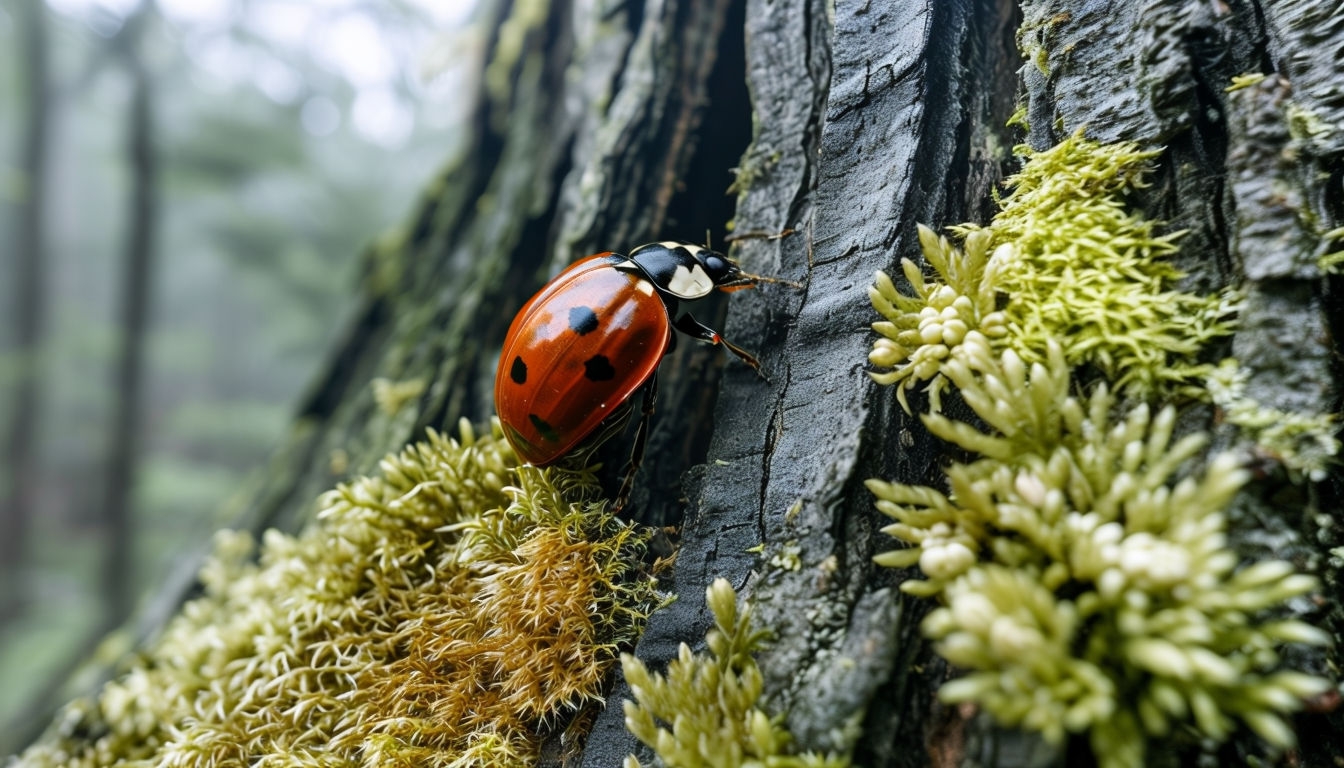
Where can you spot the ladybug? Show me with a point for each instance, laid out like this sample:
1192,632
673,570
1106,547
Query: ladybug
593,337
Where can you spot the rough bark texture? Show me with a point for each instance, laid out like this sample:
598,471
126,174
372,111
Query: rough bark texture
618,125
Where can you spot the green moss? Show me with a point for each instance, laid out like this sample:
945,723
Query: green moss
525,18
1331,261
1304,443
1064,260
1036,35
1306,126
923,331
1086,581
452,610
703,711
788,557
392,395
1244,81
1083,571
751,170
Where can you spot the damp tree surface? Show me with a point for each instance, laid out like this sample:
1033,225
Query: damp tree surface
815,136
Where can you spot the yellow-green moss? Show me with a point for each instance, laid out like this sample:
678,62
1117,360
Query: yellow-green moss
525,18
1244,81
1086,581
1331,261
452,610
703,713
922,331
392,395
1064,260
1082,568
1304,443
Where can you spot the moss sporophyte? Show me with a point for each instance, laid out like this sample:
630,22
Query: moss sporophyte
453,610
1082,568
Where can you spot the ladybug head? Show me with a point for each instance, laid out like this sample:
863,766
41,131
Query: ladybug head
687,271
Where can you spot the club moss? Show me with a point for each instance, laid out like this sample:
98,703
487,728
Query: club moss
703,711
1080,554
1064,260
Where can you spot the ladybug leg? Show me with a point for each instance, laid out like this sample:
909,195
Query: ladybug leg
641,439
692,327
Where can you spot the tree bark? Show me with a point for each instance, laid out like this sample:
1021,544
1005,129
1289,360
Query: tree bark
847,124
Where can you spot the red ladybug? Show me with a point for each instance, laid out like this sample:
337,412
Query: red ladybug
591,338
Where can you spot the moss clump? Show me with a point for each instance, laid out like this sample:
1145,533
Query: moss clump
1304,443
391,396
922,331
1087,585
452,610
1086,581
1067,262
703,712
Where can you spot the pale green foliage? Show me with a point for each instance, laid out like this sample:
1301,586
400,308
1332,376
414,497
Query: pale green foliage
1244,81
923,330
1067,262
703,712
1086,272
448,612
1304,443
1087,584
1333,260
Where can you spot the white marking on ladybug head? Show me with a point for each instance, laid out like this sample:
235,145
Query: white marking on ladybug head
644,287
690,283
691,248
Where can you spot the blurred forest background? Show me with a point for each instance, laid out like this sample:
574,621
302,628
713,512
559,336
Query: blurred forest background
186,187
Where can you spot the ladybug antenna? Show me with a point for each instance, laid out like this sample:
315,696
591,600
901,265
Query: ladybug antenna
763,279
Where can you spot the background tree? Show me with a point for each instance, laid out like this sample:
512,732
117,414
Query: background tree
599,128
28,302
138,270
265,202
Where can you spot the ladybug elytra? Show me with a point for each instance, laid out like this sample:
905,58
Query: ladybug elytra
593,337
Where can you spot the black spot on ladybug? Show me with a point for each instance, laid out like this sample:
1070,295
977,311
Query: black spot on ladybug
546,430
598,368
582,320
518,371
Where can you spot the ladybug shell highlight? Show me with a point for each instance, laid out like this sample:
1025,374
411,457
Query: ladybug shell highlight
575,354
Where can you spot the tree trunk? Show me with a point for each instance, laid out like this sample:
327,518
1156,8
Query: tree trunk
137,279
18,494
862,121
